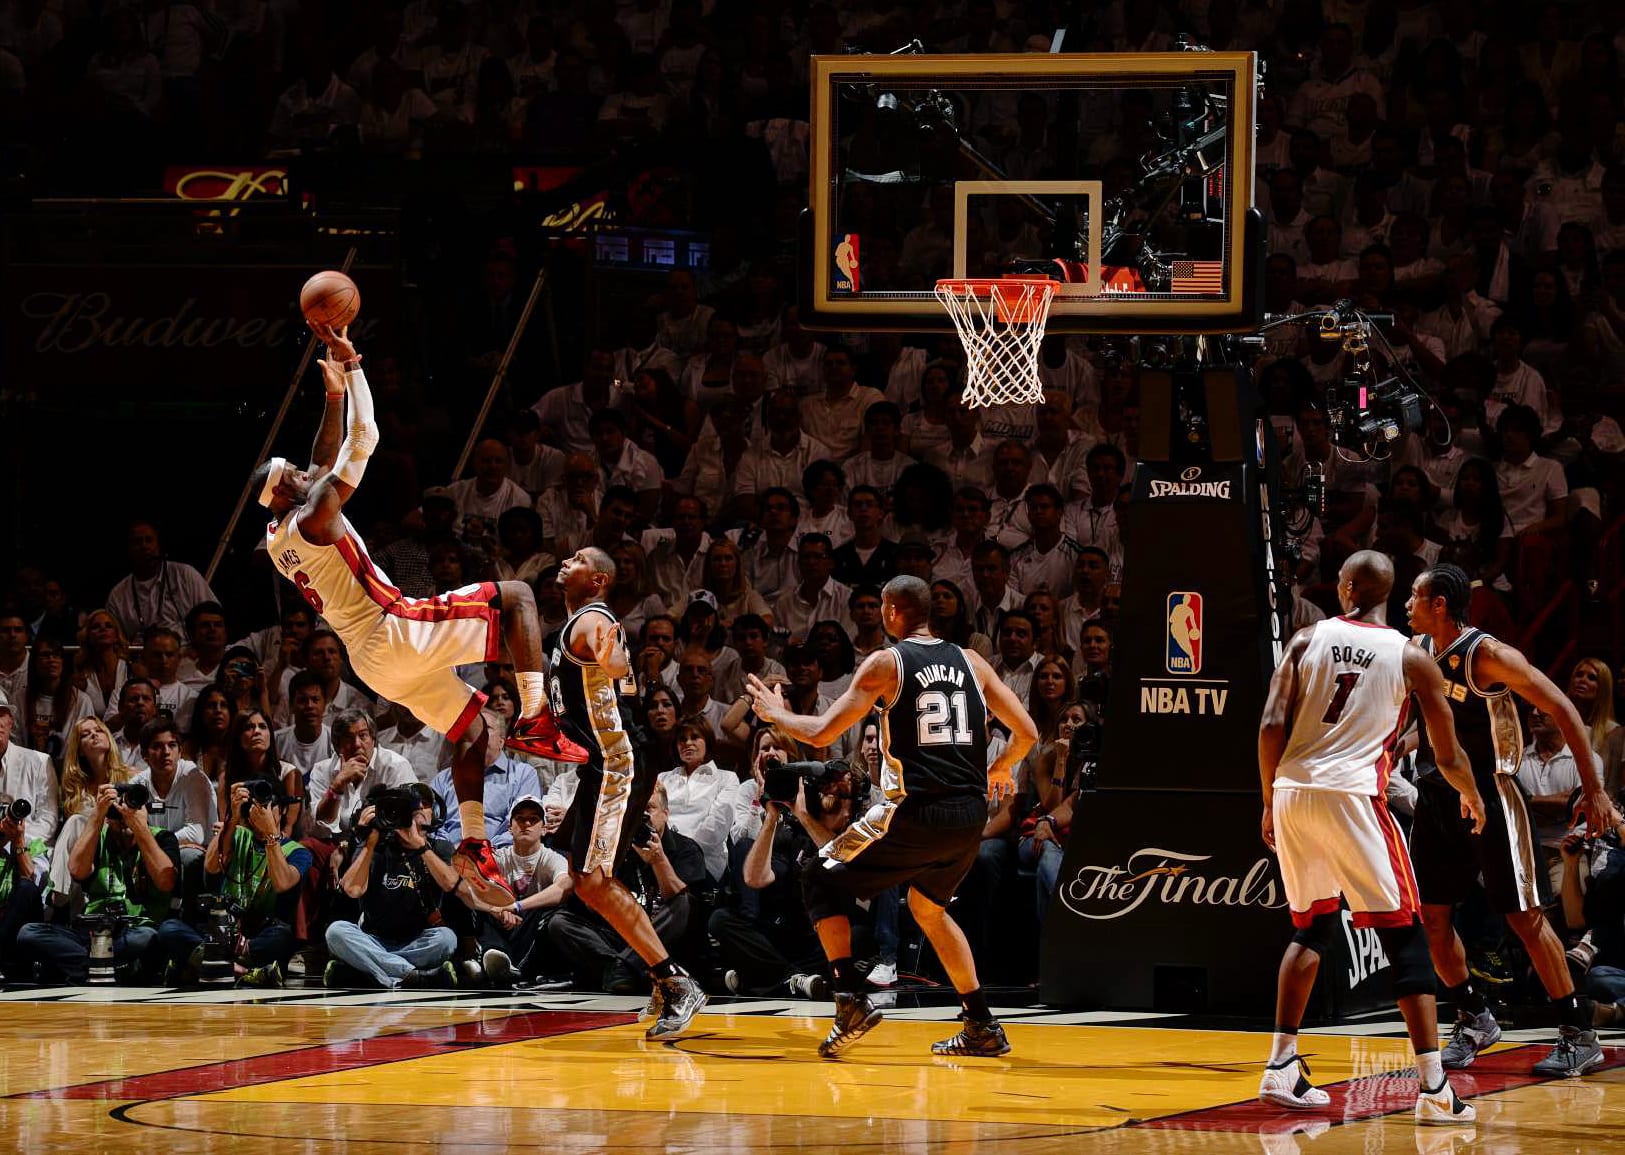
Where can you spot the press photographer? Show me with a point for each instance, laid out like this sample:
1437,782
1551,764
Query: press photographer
768,943
399,880
28,775
19,894
253,874
126,870
660,870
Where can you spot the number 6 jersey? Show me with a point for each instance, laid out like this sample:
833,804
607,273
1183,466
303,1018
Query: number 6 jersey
933,735
1350,710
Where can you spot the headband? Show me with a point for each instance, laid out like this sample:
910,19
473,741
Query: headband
279,468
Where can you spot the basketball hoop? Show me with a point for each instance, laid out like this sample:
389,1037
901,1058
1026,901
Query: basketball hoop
1001,324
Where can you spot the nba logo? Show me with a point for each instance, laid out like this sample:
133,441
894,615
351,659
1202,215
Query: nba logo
846,262
1184,633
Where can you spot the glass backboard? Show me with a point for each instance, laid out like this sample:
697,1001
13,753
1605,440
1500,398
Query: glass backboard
1128,177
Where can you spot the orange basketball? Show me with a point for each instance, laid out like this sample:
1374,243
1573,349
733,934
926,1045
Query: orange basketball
330,298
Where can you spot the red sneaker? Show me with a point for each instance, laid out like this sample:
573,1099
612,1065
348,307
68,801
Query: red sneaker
541,736
478,866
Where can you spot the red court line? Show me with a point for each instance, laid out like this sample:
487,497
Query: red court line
1373,1096
329,1058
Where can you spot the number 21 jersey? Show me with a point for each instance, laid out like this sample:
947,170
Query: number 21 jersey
933,736
1351,708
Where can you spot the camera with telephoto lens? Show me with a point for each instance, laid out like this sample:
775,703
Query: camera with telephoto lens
217,918
783,781
645,834
102,926
261,792
136,796
18,809
392,809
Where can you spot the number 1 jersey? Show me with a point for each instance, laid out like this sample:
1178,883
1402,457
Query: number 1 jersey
933,735
1351,708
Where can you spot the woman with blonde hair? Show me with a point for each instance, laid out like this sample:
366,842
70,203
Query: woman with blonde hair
1591,689
90,762
629,595
725,577
103,665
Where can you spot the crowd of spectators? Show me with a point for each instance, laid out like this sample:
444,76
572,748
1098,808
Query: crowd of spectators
1459,166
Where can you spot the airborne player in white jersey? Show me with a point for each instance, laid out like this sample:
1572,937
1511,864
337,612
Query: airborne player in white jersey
405,648
1326,746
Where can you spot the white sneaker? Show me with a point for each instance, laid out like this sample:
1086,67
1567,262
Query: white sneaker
499,970
1443,1107
1288,1085
883,974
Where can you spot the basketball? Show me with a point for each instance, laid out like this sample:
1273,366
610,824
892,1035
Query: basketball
330,298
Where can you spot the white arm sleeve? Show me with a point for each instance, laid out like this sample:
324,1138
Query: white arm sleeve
363,435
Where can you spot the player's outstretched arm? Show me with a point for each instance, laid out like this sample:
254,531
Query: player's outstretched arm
320,521
599,639
329,435
875,681
1497,662
1007,708
1423,679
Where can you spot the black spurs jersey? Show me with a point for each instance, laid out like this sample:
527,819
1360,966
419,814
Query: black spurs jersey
933,736
1486,716
590,706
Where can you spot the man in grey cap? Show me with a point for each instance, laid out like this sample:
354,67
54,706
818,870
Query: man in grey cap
514,947
28,774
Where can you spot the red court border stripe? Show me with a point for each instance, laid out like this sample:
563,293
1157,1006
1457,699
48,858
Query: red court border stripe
1373,1096
330,1058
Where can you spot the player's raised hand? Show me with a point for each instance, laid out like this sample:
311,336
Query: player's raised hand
766,700
336,340
1472,808
332,377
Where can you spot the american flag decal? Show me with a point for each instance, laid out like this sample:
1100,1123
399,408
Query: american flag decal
1198,277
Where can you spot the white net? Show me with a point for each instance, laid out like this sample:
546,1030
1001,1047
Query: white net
1001,324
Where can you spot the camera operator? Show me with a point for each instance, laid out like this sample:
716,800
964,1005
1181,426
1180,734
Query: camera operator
259,873
514,945
399,880
768,942
182,796
19,893
663,866
125,867
1593,893
28,774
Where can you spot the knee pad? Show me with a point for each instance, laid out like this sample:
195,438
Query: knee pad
1319,935
1408,959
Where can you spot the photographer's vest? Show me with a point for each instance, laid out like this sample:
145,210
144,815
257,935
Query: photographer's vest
120,880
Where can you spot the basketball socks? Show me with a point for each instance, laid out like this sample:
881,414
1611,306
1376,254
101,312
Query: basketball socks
665,969
1430,1069
975,1004
1573,1011
532,692
1283,1045
1467,998
847,979
473,816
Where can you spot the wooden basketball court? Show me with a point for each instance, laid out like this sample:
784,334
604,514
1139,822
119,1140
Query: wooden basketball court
239,1071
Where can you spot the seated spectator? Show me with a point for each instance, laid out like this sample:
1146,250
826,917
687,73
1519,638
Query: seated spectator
700,797
260,869
250,754
1053,793
724,577
1046,560
282,646
206,742
506,779
802,693
1534,491
950,620
868,632
315,106
426,750
485,497
51,703
91,760
392,118
137,705
1017,660
1327,274
102,665
357,768
837,657
305,742
879,464
866,557
1591,689
121,865
1516,381
1476,533
206,645
695,680
161,661
818,596
324,655
183,798
399,879
19,892
990,573
1549,776
767,551
700,630
657,653
514,941
664,422
676,556
750,633
659,873
1593,896
623,463
157,591
823,484
835,416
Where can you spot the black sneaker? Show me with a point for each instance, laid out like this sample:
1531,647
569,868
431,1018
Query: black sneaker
1491,967
681,998
444,975
983,1040
855,1016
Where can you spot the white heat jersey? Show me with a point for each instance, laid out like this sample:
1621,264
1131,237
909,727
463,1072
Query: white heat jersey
340,581
1350,709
